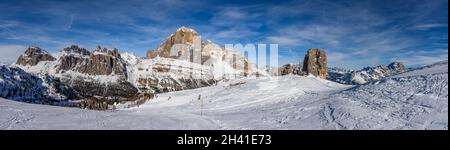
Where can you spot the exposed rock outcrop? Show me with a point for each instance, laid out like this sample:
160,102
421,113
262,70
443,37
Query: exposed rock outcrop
77,50
104,62
151,54
396,67
97,78
101,61
295,69
184,37
34,55
185,44
72,57
315,63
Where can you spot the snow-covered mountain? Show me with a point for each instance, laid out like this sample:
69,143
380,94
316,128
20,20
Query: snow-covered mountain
416,99
17,84
438,67
103,77
339,75
186,44
129,58
90,79
364,75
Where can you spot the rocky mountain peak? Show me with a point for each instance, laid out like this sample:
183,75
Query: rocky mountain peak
114,52
34,55
315,62
184,36
366,74
76,50
185,29
398,66
101,61
104,61
211,53
98,48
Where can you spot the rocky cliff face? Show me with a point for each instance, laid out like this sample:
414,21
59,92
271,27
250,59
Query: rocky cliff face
97,78
72,57
90,65
101,61
295,69
105,62
184,37
193,63
34,55
315,63
187,46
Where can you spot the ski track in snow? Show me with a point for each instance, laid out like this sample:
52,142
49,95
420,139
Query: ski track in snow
413,100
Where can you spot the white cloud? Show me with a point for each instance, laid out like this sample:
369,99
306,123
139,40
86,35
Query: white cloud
10,53
325,34
7,24
349,61
235,23
429,26
359,35
422,60
361,52
284,40
337,57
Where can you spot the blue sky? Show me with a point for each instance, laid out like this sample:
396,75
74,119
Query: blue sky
354,33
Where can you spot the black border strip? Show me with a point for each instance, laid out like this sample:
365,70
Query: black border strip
168,138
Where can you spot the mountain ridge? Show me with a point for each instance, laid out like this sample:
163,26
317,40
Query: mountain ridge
103,77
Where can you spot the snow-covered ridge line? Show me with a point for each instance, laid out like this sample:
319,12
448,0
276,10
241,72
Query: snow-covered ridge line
366,74
435,68
105,74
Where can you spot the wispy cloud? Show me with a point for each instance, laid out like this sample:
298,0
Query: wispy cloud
422,57
352,31
419,60
283,40
429,26
69,25
235,23
355,33
10,53
315,33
